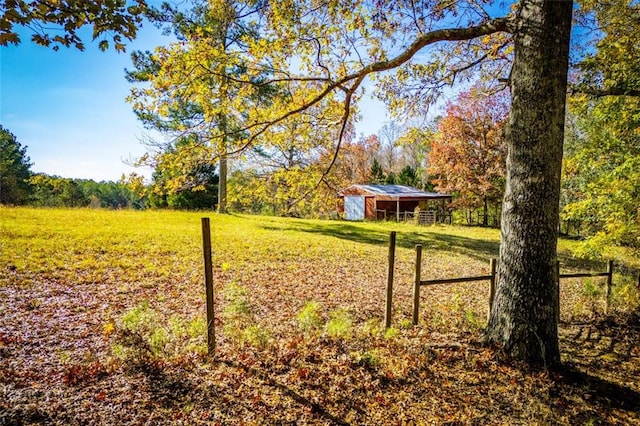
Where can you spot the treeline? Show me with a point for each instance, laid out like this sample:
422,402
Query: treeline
54,191
20,186
42,190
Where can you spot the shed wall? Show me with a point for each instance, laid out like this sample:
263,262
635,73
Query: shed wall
370,208
354,207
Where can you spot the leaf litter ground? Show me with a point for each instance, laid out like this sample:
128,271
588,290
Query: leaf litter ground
69,279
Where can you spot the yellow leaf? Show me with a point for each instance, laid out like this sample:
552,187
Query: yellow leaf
108,329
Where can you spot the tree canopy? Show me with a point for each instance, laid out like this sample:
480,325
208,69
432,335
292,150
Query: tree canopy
58,23
336,40
611,65
14,169
601,187
187,81
600,190
468,151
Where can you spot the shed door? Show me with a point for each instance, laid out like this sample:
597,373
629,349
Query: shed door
354,207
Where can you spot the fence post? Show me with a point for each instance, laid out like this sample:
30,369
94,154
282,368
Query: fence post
609,284
208,281
492,286
416,284
392,256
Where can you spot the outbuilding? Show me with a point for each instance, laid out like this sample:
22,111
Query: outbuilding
360,202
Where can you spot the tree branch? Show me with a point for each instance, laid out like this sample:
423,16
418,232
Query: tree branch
451,34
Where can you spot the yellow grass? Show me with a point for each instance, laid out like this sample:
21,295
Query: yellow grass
299,308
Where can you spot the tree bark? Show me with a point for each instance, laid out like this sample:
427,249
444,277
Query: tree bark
524,315
222,163
485,212
222,184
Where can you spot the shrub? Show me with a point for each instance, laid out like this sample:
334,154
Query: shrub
372,327
239,322
626,295
255,336
142,335
472,320
309,318
391,333
592,248
340,324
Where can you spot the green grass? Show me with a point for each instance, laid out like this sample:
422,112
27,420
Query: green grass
132,250
61,243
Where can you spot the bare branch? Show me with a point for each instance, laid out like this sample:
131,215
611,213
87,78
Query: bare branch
343,129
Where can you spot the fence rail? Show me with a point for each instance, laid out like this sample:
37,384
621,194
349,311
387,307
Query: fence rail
491,277
608,273
585,275
418,281
456,280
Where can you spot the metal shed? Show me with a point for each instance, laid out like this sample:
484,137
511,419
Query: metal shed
382,201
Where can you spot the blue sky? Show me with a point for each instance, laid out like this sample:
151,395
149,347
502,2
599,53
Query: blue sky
68,107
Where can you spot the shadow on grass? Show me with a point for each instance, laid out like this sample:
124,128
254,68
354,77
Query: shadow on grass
578,394
600,391
477,248
620,266
603,364
174,389
586,396
608,341
574,263
316,408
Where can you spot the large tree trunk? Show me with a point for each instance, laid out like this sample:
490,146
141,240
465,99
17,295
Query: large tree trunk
222,184
485,211
222,163
524,315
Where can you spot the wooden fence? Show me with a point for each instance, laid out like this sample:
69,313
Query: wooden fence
608,273
418,282
208,281
491,277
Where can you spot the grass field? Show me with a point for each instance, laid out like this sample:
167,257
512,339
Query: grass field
102,322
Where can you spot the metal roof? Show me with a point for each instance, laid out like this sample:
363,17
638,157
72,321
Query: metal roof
399,191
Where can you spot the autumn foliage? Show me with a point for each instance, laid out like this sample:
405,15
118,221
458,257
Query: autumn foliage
468,151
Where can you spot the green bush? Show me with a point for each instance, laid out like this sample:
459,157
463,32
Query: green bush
142,335
255,336
626,295
239,321
372,327
340,324
592,248
309,318
391,333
